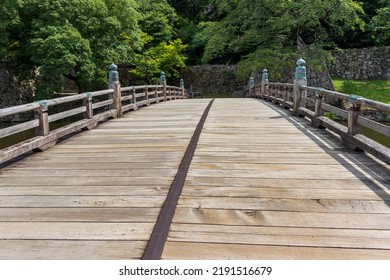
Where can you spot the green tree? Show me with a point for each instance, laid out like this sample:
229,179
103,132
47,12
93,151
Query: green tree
162,50
76,39
167,57
380,25
158,20
255,32
191,10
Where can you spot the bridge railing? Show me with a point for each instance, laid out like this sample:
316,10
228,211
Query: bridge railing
320,105
80,111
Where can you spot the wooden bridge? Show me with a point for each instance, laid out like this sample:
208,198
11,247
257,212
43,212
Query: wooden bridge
192,179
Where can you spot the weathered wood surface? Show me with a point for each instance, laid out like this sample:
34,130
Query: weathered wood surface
261,185
266,186
96,195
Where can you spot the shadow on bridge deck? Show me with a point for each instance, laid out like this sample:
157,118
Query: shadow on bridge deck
261,185
371,171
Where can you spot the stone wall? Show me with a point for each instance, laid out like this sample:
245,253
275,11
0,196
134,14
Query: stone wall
362,64
211,78
223,78
14,91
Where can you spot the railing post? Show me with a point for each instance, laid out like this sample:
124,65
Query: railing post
354,128
88,105
43,116
318,112
251,86
182,88
43,128
156,94
300,79
147,95
264,83
276,92
353,113
285,92
134,98
163,82
116,86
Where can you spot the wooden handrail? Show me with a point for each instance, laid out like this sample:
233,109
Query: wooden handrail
313,102
117,101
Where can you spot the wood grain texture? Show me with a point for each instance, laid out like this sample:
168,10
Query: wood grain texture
96,195
264,185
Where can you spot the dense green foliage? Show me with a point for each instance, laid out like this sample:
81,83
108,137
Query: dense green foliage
162,50
78,39
259,33
272,33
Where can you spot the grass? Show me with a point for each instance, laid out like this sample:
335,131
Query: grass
378,90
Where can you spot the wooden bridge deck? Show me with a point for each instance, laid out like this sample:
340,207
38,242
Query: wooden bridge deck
261,185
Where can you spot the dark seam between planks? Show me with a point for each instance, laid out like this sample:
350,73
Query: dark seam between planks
156,243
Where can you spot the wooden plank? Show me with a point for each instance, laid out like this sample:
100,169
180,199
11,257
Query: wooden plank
278,231
275,218
278,167
264,183
282,239
81,201
277,174
101,193
90,214
70,249
89,173
210,251
135,190
261,185
85,181
342,184
112,165
313,205
75,231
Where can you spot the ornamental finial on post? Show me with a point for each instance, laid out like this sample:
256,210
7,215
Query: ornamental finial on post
113,75
162,78
264,76
300,70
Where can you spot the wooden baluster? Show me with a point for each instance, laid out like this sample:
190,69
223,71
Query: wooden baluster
266,89
88,105
43,128
264,83
156,94
134,99
181,85
251,86
353,112
43,116
147,96
300,79
116,86
276,94
163,82
285,90
318,111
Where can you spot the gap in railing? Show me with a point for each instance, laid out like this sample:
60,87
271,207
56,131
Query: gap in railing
374,135
31,133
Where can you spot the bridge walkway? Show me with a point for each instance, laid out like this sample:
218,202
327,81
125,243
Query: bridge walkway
261,185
